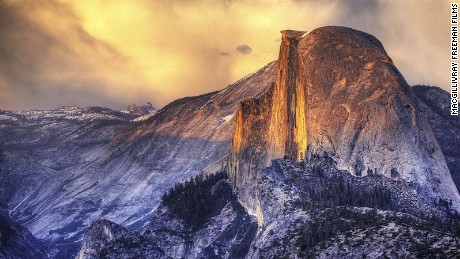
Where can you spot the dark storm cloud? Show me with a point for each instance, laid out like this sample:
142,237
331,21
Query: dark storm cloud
244,49
46,67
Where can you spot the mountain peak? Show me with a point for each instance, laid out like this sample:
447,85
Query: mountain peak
291,35
337,93
135,109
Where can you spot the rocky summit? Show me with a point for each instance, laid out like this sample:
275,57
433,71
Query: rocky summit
140,109
337,93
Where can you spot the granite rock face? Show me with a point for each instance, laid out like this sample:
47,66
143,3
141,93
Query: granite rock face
337,93
99,234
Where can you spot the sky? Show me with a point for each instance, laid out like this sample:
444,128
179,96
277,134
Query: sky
115,52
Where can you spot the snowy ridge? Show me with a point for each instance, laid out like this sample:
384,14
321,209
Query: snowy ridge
64,113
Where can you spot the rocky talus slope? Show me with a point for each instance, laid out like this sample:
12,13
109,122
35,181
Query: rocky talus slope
318,211
337,92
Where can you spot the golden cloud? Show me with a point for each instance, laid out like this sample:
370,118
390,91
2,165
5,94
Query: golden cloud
110,53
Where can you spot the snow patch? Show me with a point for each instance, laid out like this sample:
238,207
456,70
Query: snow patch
7,117
227,118
144,117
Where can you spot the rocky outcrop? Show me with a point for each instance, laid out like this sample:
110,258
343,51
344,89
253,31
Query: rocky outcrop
337,93
99,234
248,154
140,110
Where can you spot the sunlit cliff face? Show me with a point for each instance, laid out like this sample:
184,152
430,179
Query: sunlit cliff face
337,94
110,53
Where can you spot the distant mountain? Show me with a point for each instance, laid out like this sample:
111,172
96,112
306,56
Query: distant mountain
139,110
143,112
43,155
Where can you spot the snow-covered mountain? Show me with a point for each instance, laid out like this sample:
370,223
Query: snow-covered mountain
72,165
43,156
140,110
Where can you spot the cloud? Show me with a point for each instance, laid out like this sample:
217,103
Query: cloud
244,49
415,34
111,53
47,59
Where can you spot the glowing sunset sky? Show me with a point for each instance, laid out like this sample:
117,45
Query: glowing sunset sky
112,53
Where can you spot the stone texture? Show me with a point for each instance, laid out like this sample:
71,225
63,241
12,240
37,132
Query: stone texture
338,93
99,234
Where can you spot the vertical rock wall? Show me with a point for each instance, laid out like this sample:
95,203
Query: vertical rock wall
287,131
